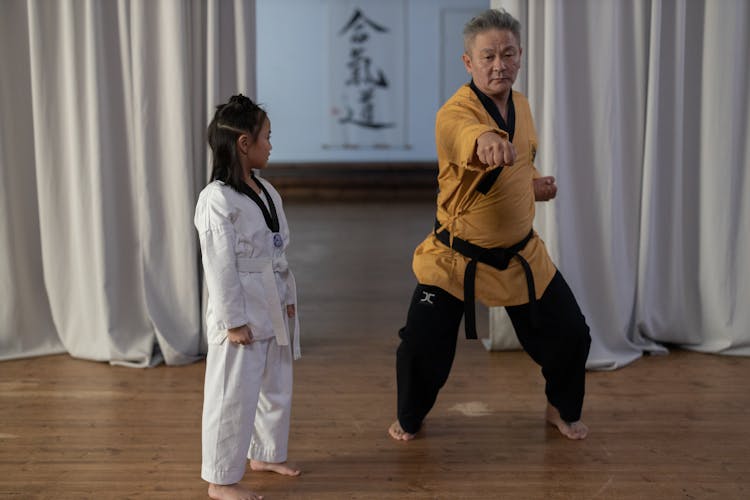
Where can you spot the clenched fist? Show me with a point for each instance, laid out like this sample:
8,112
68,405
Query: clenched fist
545,188
493,150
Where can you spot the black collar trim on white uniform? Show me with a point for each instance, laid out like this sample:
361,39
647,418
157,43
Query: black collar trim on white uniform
269,213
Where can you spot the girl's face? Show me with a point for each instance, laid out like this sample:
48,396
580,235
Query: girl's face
259,151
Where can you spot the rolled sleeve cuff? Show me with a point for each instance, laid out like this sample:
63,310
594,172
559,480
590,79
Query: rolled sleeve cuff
228,324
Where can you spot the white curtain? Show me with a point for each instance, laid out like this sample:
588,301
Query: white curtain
102,153
642,108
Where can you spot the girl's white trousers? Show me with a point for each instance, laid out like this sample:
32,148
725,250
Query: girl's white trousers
246,407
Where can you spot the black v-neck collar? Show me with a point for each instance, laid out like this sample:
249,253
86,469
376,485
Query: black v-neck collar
491,108
269,213
510,128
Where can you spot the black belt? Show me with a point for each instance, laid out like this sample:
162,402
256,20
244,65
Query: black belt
497,257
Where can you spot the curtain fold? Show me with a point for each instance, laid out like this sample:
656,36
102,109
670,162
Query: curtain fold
111,100
696,231
642,112
598,149
26,325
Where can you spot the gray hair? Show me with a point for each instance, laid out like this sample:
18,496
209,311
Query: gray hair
488,20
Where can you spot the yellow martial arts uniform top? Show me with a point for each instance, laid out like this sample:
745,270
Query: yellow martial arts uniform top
501,218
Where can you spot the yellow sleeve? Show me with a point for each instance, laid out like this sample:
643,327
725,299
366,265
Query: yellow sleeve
457,128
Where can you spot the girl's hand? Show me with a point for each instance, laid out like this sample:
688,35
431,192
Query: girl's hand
240,335
290,310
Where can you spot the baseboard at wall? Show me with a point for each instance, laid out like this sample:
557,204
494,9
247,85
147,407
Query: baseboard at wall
354,181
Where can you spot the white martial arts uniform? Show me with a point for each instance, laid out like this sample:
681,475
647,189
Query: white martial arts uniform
248,389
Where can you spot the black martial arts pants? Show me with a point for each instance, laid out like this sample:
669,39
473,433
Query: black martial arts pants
560,345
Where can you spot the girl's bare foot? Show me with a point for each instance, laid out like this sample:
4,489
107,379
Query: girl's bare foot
571,430
231,492
282,468
398,433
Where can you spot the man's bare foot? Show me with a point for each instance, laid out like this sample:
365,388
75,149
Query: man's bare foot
282,468
571,430
398,433
231,492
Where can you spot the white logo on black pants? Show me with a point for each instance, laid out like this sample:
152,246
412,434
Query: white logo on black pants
427,298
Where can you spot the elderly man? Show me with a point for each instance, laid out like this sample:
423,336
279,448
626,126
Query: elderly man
484,243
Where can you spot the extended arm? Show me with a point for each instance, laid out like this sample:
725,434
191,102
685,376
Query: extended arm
467,142
494,150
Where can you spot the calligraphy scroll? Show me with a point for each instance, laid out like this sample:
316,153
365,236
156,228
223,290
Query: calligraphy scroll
367,74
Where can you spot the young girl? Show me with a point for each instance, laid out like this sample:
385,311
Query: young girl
243,235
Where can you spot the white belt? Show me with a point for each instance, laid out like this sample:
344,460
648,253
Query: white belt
267,267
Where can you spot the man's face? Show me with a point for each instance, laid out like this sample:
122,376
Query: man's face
493,62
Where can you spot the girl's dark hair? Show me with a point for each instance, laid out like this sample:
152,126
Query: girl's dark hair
240,115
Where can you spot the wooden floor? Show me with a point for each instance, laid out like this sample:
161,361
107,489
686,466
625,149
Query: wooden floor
665,427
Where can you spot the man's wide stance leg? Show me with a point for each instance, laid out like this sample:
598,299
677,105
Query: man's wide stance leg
425,355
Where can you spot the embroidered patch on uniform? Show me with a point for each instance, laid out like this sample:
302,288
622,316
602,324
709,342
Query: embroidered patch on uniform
427,298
